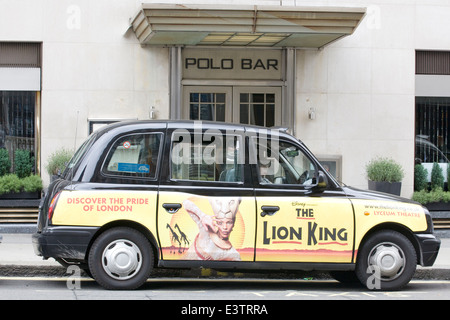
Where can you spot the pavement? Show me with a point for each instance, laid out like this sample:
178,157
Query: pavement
17,258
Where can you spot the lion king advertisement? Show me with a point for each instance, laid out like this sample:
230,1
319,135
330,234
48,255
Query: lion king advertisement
207,228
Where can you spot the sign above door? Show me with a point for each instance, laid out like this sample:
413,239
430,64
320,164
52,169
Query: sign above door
232,64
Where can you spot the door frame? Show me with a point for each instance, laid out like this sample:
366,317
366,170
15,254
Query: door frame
232,101
174,190
288,84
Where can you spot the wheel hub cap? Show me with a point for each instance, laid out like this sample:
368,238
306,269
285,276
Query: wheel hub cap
387,259
121,259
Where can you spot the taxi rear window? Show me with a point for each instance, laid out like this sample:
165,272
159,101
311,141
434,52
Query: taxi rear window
134,156
79,154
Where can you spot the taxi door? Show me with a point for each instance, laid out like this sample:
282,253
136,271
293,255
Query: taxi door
296,222
206,206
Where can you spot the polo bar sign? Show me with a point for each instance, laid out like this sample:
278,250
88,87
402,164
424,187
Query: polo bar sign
232,64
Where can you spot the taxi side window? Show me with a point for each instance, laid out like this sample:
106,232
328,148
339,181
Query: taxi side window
287,165
203,157
134,156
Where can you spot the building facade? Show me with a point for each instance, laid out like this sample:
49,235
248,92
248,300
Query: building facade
353,79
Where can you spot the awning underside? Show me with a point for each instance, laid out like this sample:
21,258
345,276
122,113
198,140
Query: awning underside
255,26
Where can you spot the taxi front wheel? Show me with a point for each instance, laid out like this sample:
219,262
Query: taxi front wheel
121,258
387,261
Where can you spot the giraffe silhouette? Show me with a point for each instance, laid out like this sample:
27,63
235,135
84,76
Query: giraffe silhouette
174,237
182,236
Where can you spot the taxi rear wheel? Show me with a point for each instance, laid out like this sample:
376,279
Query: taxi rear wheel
121,258
386,261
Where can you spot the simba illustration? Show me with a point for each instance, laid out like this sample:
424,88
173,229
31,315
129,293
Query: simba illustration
212,241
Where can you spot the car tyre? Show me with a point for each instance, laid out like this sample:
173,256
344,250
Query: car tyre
386,261
121,259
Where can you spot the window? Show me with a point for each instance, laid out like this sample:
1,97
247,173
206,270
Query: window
17,121
208,157
432,130
134,156
432,121
257,108
288,165
207,106
79,154
20,85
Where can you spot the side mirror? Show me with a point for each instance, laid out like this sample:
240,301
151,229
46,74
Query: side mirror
322,182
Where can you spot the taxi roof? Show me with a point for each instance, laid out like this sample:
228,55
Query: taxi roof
138,125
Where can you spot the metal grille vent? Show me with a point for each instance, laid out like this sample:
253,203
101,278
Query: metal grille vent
433,62
20,55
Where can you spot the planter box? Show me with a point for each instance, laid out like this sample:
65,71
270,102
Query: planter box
386,187
20,195
438,206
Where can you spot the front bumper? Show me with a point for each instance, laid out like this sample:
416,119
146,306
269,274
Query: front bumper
69,243
429,249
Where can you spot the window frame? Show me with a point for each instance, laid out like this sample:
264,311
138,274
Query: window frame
253,144
126,175
18,127
240,138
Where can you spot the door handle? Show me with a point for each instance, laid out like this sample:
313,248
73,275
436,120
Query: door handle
269,210
172,207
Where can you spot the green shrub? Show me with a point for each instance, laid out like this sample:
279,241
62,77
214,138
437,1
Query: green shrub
23,163
58,161
420,178
420,196
437,177
435,195
10,183
5,163
32,183
384,169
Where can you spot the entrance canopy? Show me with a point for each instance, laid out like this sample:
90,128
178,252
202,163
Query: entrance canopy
253,26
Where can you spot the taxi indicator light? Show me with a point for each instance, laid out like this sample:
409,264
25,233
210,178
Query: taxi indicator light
51,208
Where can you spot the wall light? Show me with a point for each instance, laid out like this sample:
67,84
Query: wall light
312,113
152,113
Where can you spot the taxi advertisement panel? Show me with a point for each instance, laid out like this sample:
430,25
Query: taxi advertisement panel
98,207
369,213
306,230
207,228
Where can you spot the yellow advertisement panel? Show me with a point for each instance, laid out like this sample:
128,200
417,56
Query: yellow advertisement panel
369,213
206,228
98,207
305,230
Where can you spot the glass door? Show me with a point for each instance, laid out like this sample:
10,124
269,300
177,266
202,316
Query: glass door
257,105
247,105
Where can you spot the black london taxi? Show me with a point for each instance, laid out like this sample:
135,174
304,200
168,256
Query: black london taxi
187,194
